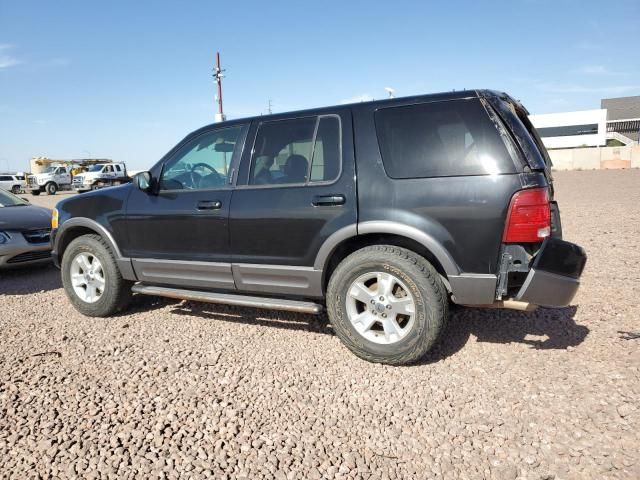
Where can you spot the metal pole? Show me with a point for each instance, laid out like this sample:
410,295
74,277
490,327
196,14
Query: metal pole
218,76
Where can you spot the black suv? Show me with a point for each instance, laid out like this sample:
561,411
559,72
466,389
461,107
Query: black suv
384,212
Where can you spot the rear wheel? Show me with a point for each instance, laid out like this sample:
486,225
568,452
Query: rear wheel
91,278
35,192
51,188
387,304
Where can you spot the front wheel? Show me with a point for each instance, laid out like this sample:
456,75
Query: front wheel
387,304
51,188
91,278
16,189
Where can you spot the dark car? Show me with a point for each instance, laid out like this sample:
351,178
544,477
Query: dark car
384,212
24,232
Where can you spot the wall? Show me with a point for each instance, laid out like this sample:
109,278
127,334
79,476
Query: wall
595,158
568,119
621,108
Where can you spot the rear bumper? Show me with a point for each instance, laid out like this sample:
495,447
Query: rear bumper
554,277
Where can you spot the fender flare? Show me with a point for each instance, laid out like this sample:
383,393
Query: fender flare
439,252
124,264
91,225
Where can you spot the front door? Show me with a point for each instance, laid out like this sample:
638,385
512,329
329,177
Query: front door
181,235
296,187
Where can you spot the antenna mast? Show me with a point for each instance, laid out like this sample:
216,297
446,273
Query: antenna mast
218,76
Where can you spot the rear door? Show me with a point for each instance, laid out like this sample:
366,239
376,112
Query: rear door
296,187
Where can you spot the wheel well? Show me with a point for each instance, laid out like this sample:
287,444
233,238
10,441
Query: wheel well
352,244
70,235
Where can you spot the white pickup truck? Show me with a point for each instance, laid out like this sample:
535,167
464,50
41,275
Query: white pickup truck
50,181
101,175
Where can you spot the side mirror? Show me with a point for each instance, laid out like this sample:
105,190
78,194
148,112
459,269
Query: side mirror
144,181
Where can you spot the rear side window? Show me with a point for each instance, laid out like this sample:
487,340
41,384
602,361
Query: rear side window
440,139
297,151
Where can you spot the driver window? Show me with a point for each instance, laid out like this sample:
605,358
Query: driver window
203,162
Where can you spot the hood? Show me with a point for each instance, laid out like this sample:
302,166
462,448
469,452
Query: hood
28,217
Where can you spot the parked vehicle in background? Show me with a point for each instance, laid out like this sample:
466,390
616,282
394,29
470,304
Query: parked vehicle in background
12,182
384,211
24,232
101,175
52,180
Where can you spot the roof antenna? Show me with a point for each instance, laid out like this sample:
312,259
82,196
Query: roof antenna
391,92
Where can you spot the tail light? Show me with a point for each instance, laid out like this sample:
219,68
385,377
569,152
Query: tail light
529,217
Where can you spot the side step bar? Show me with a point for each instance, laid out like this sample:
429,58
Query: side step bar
228,299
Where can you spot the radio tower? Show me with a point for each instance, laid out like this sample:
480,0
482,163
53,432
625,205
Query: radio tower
218,76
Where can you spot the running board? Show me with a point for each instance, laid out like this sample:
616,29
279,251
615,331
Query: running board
228,299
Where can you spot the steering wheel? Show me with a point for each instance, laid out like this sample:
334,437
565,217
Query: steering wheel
205,165
193,171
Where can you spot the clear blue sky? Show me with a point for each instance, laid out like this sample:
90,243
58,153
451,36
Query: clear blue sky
127,80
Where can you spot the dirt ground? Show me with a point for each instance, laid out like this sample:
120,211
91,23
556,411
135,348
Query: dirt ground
179,389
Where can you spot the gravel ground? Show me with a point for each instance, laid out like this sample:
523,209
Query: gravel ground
175,389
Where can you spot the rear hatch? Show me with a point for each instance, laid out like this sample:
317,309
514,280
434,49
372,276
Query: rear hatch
533,152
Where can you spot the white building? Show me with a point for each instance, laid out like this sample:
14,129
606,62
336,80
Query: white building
572,129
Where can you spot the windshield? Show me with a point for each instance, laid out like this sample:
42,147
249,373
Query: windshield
94,168
50,169
10,200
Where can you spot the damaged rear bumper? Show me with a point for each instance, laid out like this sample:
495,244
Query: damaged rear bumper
554,277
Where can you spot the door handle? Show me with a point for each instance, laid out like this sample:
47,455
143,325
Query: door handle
325,200
209,205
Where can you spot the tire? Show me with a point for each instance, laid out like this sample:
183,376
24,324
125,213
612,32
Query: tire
410,274
15,189
51,188
35,192
116,292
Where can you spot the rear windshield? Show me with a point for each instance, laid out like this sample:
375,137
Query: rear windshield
517,121
440,139
524,118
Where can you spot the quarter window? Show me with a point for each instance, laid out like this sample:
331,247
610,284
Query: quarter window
440,139
296,151
203,162
326,153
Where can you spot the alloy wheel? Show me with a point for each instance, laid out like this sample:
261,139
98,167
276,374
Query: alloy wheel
380,307
87,277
